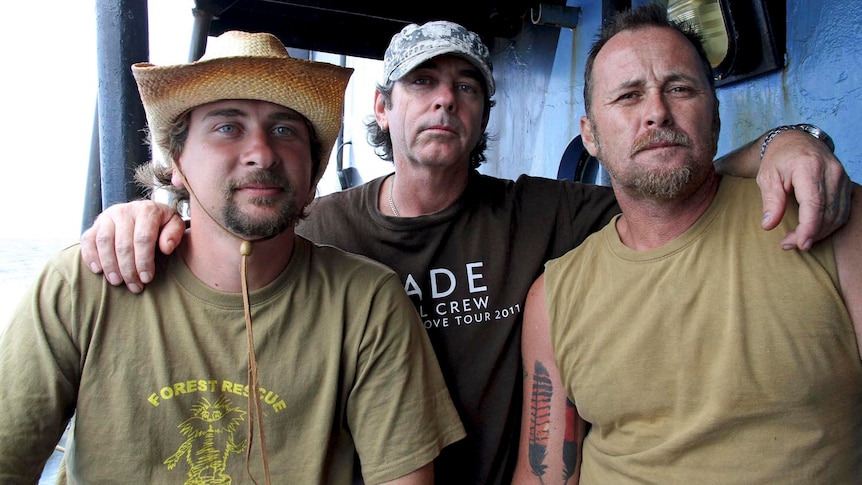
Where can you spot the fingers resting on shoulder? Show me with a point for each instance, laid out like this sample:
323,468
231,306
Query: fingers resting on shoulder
798,164
121,243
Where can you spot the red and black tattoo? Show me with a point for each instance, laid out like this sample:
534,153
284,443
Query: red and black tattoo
570,443
540,410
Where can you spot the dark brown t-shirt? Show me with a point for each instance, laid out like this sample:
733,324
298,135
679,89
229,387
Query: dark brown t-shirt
467,269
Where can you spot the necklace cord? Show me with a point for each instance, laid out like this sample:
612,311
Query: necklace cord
391,200
254,402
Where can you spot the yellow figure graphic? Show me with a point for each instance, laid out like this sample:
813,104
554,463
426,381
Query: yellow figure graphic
209,441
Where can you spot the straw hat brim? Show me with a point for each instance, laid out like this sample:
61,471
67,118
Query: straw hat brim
313,89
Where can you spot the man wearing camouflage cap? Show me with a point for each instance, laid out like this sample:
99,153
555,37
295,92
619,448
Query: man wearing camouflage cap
466,246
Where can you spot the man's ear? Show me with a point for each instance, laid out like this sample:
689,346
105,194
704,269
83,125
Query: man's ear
587,136
380,110
176,179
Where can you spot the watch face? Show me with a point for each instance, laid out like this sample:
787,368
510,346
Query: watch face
821,135
812,130
815,131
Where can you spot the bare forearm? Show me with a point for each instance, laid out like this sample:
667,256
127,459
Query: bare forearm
742,162
551,432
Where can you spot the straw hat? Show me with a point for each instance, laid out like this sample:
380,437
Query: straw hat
242,65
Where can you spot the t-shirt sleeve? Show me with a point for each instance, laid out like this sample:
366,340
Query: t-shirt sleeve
575,210
399,410
590,208
39,364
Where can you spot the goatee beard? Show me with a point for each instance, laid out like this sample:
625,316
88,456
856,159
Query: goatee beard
289,212
654,183
661,184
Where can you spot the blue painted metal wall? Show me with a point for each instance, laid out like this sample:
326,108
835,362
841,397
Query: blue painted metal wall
540,88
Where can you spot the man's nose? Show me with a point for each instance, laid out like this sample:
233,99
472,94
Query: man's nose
658,113
445,98
259,150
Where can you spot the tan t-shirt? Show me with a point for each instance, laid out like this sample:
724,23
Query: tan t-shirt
715,359
158,380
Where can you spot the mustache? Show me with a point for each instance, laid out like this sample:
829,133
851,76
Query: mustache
263,177
660,135
447,121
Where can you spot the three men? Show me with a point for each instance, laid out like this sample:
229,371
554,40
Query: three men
466,246
691,347
256,352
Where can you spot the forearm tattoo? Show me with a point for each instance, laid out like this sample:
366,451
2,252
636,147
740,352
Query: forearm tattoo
540,409
539,429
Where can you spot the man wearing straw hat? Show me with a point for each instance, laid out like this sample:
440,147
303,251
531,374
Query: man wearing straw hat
466,246
256,356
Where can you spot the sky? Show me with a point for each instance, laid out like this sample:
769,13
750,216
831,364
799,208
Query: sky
49,99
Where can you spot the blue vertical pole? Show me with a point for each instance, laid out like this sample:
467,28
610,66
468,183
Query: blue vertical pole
122,40
93,191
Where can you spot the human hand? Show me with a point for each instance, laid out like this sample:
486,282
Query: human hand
121,243
799,163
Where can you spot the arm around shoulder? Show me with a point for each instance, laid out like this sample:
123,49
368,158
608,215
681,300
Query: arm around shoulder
122,241
848,257
551,432
800,164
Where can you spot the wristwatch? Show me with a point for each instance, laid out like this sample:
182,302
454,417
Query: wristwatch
812,130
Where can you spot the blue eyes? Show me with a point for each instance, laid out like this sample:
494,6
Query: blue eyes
278,130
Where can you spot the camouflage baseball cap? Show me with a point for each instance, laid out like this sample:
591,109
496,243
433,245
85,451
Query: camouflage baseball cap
416,44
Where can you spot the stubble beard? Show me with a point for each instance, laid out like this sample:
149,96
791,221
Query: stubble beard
657,183
243,225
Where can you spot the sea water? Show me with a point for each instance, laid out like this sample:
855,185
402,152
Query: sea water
21,261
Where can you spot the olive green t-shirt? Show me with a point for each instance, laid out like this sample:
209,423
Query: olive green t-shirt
158,381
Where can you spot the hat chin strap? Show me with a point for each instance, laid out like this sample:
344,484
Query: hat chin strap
254,401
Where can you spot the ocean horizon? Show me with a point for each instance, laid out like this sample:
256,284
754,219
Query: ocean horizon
21,261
